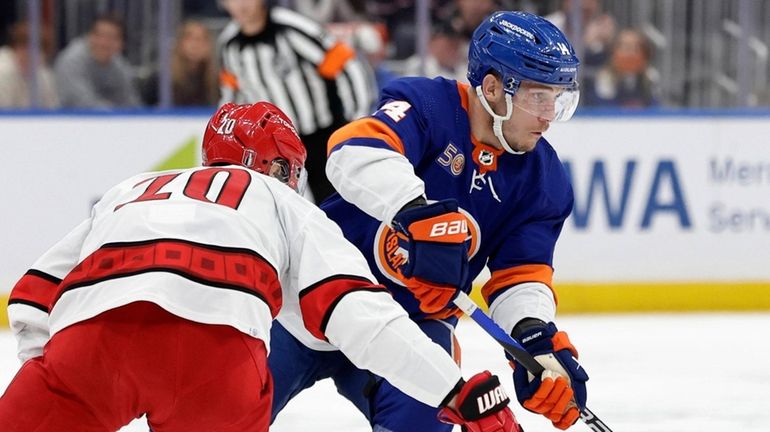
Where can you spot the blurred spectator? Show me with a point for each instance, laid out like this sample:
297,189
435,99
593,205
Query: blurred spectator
627,80
15,72
92,73
598,30
371,44
462,17
444,58
399,17
193,69
274,54
468,14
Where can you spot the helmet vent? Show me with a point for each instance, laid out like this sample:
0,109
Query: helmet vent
263,122
535,64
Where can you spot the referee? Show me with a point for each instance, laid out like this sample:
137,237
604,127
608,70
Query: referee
270,53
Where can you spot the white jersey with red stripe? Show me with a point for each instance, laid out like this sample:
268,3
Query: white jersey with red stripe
226,245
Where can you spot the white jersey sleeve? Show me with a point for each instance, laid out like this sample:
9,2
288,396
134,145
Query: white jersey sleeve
525,300
30,299
375,333
357,172
340,307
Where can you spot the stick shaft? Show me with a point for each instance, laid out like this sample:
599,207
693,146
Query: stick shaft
517,351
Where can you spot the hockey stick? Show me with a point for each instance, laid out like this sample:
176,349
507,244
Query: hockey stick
514,348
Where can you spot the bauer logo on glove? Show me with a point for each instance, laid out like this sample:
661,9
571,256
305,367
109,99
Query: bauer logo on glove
560,392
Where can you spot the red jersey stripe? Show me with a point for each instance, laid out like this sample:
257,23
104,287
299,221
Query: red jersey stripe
318,301
220,267
36,289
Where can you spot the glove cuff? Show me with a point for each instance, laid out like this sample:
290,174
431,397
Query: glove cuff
414,211
417,202
525,325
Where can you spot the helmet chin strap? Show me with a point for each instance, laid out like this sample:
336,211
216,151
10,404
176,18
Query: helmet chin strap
497,125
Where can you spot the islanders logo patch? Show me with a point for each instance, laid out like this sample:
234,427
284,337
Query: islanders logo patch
452,160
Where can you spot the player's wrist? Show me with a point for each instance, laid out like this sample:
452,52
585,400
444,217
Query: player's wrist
450,400
525,325
417,202
418,210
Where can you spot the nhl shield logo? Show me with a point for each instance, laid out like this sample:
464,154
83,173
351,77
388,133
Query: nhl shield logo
486,158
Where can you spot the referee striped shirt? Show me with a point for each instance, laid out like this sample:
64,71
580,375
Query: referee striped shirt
295,64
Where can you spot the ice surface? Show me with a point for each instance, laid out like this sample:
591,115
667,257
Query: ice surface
649,373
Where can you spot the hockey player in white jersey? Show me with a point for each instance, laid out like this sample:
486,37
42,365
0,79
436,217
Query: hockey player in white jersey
161,303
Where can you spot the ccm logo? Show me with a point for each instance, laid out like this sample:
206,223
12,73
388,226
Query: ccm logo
449,228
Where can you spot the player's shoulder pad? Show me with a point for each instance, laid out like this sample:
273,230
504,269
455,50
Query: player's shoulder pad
429,98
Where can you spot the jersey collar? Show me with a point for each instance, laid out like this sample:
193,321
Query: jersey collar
484,156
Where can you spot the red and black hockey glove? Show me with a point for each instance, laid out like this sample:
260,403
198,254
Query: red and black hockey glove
560,392
481,406
435,240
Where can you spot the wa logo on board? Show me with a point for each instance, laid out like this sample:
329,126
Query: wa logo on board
657,187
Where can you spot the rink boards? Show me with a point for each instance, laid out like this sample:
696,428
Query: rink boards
671,211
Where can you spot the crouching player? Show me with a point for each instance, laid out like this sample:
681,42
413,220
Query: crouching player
161,303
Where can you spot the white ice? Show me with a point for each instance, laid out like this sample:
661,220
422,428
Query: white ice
649,373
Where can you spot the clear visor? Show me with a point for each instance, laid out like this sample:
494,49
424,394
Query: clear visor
302,181
281,170
547,102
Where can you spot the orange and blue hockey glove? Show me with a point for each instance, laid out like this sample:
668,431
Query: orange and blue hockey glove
560,392
434,240
481,405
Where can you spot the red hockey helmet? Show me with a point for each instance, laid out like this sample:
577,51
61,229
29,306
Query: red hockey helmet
257,136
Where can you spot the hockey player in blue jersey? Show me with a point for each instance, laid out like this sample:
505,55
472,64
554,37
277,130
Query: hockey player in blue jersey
443,180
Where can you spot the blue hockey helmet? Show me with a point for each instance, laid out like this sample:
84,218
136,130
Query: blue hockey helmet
518,47
521,46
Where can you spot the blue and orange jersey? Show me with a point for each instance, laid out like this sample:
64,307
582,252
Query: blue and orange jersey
516,204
